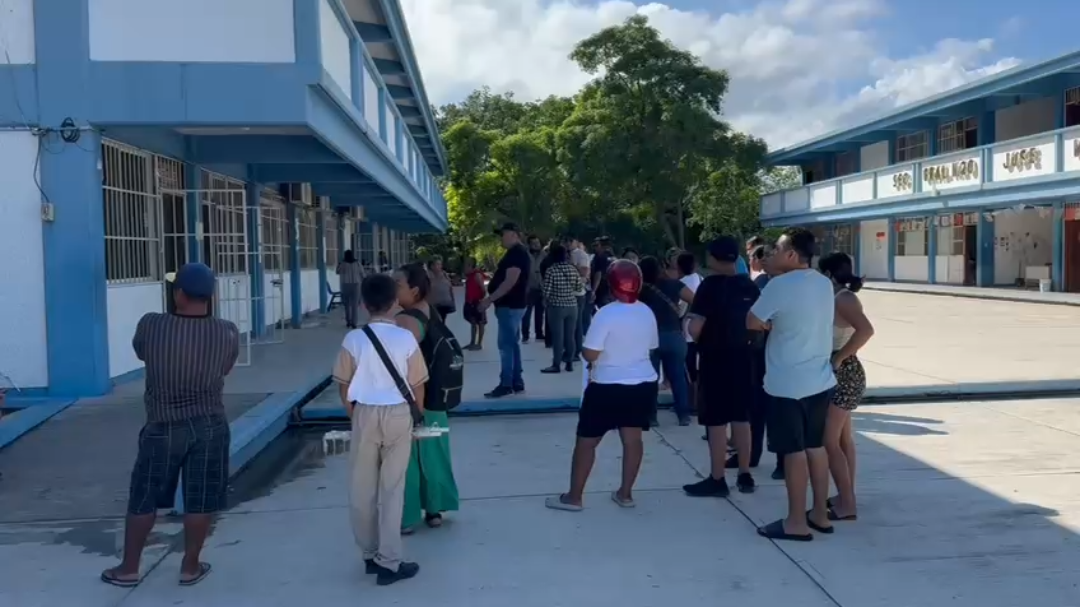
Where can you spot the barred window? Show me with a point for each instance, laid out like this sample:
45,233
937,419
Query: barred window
273,232
131,214
959,135
912,146
365,245
170,176
224,222
333,247
308,243
1072,107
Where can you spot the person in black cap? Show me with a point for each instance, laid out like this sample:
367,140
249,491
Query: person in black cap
188,353
603,257
508,291
730,365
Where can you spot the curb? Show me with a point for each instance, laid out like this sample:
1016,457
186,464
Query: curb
19,423
984,297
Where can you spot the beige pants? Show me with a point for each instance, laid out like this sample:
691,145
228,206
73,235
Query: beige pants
380,459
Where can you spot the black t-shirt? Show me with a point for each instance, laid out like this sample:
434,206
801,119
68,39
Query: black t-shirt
600,263
545,264
663,299
516,256
761,281
723,302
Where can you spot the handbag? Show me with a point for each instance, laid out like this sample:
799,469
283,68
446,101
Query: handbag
402,386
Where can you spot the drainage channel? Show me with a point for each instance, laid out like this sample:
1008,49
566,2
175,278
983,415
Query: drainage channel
295,453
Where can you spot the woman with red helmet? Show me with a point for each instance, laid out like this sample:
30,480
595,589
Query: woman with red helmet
621,390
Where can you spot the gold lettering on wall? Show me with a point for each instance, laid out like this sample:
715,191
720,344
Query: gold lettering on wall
1023,160
902,182
962,170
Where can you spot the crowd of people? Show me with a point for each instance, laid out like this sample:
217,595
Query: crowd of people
763,350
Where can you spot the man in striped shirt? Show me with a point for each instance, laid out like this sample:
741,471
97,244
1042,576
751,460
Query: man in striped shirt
188,352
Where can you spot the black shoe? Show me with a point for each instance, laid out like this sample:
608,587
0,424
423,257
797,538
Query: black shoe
371,567
524,339
709,487
551,369
778,473
404,572
733,463
499,392
518,389
569,367
745,483
684,420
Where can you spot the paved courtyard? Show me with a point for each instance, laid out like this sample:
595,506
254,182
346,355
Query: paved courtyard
962,504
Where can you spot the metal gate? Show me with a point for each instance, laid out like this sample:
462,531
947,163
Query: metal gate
274,249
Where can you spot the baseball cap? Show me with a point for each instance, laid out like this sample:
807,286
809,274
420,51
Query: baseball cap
724,248
508,227
196,280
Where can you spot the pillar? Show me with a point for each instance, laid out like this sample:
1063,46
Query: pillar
193,211
931,249
890,248
320,240
856,247
984,255
252,194
295,297
382,116
77,331
1057,266
339,225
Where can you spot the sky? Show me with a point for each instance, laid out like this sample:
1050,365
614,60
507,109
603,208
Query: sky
798,68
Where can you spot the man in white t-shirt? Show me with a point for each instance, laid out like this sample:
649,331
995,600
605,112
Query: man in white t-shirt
797,309
580,260
382,428
621,392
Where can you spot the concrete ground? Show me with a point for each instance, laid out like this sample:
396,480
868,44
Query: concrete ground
961,504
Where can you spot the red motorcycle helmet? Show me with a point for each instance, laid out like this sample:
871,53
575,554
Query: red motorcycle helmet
624,280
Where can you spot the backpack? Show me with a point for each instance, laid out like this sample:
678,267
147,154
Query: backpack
445,361
739,295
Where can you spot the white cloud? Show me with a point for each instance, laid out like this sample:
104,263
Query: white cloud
796,65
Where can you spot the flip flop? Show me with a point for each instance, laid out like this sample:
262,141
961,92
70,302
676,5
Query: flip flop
817,527
775,531
109,577
833,516
204,570
621,502
556,502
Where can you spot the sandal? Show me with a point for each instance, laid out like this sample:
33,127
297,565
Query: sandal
204,570
621,502
775,531
109,577
558,502
833,516
817,527
433,520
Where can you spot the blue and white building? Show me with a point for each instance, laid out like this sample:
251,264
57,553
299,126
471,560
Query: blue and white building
262,137
976,186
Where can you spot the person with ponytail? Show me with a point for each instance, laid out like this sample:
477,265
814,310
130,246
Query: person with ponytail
851,331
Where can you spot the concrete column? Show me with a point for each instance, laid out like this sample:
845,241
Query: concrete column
76,292
320,240
193,211
892,235
1057,267
295,284
856,247
255,265
932,246
984,255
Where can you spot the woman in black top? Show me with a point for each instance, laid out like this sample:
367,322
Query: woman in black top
662,295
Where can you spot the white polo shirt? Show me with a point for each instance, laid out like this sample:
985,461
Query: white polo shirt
359,365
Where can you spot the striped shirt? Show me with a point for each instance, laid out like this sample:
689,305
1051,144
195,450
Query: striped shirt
350,272
187,359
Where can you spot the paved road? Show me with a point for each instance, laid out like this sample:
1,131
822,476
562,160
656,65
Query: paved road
962,504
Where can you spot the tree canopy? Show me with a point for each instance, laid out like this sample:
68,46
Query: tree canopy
641,154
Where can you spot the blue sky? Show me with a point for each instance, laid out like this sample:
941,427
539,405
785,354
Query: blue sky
798,67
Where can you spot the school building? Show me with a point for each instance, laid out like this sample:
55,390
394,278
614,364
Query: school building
976,186
261,137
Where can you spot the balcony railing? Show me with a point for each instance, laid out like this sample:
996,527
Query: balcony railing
1045,155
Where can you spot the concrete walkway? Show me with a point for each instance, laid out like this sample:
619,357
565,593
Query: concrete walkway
992,293
962,504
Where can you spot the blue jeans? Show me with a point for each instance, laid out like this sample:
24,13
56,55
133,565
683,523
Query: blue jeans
672,356
509,343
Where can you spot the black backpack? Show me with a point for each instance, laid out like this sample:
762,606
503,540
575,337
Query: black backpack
739,295
445,362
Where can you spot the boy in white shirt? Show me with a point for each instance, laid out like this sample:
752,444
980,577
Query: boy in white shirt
621,392
382,426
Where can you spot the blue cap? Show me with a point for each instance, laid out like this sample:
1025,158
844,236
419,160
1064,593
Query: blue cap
196,280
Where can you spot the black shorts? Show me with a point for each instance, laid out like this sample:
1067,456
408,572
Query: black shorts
728,390
606,407
200,448
473,315
796,425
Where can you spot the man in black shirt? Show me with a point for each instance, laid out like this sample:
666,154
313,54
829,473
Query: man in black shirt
534,297
598,270
508,290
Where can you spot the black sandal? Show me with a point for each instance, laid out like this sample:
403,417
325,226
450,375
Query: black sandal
109,577
817,527
833,516
433,520
204,570
775,531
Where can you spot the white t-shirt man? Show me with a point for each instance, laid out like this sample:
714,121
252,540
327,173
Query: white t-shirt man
692,282
798,353
624,334
580,259
359,365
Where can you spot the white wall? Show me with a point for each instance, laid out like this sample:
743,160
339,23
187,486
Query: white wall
874,260
277,299
126,305
913,268
234,300
192,31
334,46
23,350
949,269
874,156
371,102
309,290
1020,240
17,32
1028,118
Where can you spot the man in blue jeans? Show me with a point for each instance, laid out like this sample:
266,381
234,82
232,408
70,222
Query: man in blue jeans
508,291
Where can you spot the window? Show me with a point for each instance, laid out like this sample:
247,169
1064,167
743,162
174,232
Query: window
333,247
171,175
308,244
912,147
132,244
950,234
845,164
1072,107
844,240
813,173
911,237
273,232
224,221
959,135
365,245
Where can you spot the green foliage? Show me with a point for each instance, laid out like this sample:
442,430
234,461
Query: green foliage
640,154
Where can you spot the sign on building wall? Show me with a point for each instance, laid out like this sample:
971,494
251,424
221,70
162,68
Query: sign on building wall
965,170
1072,151
1030,158
900,182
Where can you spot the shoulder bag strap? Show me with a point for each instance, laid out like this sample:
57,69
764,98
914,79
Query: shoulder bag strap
674,306
402,386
